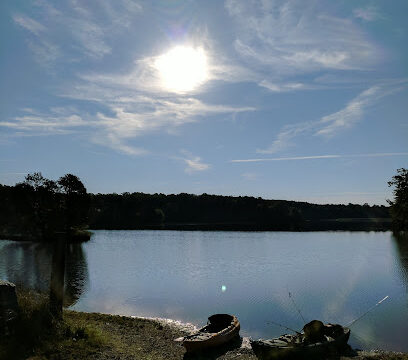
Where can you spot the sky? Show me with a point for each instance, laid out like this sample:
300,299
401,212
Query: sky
296,100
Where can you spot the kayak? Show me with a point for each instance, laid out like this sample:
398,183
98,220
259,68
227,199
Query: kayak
220,329
307,344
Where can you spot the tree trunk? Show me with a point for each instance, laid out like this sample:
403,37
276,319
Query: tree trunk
57,277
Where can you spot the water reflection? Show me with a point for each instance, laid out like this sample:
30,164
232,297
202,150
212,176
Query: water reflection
333,277
76,274
29,265
401,244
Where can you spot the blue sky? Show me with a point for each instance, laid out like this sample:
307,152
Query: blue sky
298,100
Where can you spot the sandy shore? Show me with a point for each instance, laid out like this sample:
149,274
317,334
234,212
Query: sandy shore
153,338
95,336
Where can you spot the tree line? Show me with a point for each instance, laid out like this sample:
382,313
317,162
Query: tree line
399,206
216,212
40,208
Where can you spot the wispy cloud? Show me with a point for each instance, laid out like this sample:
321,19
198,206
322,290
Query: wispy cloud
283,87
330,125
348,116
88,31
284,138
195,164
29,24
320,157
127,115
45,53
145,76
91,37
292,36
369,13
289,158
129,105
136,104
249,176
54,122
111,140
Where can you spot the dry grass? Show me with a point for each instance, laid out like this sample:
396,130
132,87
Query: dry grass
97,336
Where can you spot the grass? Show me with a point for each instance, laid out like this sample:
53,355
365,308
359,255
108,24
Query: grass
38,335
99,336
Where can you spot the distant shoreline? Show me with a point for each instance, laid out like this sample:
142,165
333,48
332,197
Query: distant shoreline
344,224
79,237
184,212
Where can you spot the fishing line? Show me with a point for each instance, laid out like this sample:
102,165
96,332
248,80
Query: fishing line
298,310
371,308
282,326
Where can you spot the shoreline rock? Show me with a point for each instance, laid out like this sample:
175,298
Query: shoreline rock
8,307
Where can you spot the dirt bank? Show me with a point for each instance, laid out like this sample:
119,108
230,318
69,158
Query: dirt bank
138,338
98,336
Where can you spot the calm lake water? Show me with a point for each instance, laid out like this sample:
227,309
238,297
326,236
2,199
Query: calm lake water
332,276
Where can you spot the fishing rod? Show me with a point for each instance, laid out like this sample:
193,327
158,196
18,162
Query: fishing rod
296,307
371,308
282,326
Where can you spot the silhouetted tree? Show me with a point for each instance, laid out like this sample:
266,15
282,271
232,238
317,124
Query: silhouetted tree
75,202
38,208
399,206
39,197
67,202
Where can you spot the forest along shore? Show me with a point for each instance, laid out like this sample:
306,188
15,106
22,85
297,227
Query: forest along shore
20,204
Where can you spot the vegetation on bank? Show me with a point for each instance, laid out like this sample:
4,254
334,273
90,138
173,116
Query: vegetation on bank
215,212
39,208
98,336
38,335
77,336
399,206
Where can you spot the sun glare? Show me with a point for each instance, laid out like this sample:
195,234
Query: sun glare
182,68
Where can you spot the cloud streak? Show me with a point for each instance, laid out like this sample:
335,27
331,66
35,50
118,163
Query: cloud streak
126,116
283,87
291,36
29,24
195,165
348,116
129,105
88,31
330,125
321,157
369,13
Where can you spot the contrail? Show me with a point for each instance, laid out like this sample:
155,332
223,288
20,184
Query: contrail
330,156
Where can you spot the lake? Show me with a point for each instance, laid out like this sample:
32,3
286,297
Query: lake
262,277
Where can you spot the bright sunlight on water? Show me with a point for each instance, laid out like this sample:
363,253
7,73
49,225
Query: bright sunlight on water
332,276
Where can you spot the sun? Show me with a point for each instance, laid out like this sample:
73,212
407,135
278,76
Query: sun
182,68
